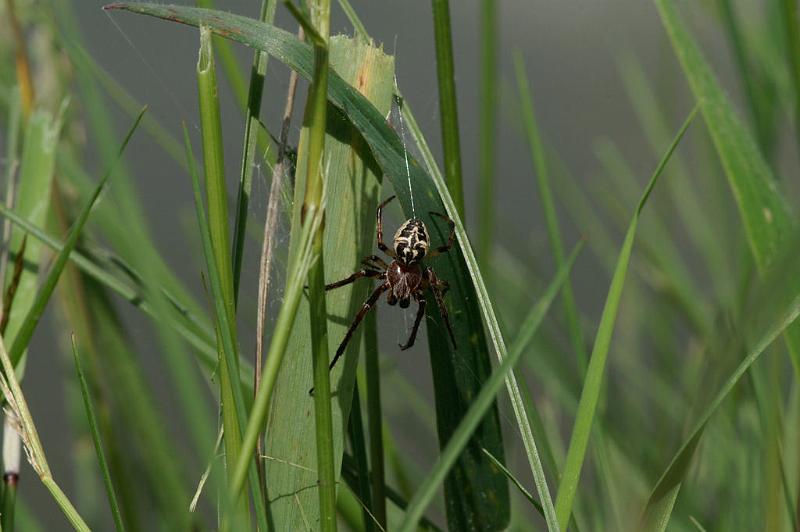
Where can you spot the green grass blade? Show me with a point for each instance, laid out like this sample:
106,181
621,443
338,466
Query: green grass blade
252,133
792,29
98,444
32,200
359,446
590,393
43,296
185,324
514,480
471,472
16,402
487,129
226,334
448,104
230,65
375,418
480,405
215,234
549,208
312,153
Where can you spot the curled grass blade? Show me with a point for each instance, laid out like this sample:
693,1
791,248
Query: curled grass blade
481,404
590,393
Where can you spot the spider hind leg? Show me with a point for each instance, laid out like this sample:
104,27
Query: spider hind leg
417,321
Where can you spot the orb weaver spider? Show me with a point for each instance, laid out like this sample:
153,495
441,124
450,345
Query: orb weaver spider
405,278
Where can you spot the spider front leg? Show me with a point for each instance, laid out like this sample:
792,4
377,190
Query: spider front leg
450,239
439,287
368,304
365,272
383,247
417,321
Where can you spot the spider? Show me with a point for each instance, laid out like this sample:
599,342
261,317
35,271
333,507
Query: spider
405,278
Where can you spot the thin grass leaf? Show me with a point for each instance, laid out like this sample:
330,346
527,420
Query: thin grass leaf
487,129
43,296
30,437
98,444
375,418
590,394
525,493
231,397
252,133
312,152
183,323
549,208
358,444
226,332
792,30
481,405
448,104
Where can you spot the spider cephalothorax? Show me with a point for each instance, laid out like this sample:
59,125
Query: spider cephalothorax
405,278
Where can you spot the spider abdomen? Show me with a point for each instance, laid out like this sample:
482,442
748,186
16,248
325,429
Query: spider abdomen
411,241
404,280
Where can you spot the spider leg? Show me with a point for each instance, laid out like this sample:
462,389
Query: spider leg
364,272
383,247
417,321
374,261
450,239
439,288
368,304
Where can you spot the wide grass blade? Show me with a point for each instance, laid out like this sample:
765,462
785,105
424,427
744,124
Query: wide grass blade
548,206
350,178
43,296
590,393
32,200
98,444
472,470
480,405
